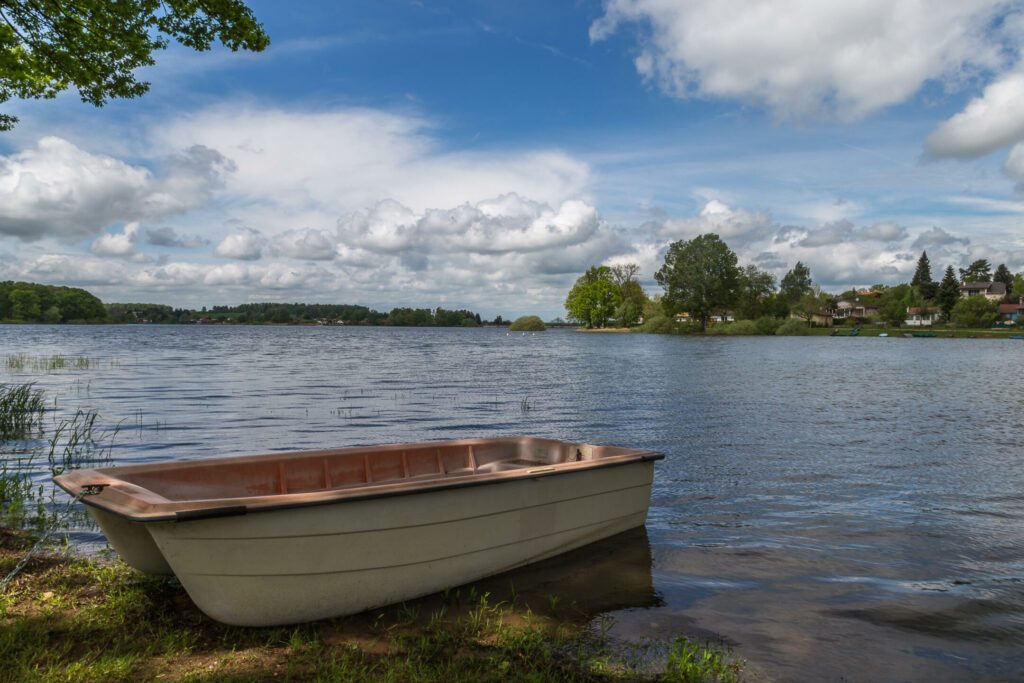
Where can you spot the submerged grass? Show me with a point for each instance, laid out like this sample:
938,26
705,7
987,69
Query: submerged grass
69,618
20,362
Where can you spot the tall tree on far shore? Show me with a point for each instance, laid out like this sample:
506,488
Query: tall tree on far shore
632,296
923,278
95,46
756,288
796,283
624,273
978,271
593,298
1004,275
700,276
948,293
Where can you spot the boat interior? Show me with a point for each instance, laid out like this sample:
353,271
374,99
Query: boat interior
306,472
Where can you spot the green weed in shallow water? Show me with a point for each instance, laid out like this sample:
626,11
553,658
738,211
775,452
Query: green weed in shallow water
21,410
21,362
78,441
74,442
690,662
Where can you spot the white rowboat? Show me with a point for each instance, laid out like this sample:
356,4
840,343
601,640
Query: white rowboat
293,537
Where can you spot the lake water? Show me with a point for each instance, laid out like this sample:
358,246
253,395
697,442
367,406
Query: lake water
833,508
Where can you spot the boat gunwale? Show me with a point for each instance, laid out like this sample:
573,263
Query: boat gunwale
151,507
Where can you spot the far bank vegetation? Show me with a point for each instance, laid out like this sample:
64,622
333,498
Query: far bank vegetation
528,323
706,290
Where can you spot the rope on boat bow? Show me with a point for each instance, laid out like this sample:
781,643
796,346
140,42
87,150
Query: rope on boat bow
87,490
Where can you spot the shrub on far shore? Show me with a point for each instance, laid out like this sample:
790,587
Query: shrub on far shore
528,323
657,324
792,328
742,328
736,329
974,312
766,324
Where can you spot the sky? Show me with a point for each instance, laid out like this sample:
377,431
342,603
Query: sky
483,155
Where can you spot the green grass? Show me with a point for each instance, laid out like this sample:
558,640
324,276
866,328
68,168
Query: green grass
70,619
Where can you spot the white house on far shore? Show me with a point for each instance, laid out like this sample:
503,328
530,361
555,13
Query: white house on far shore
921,317
993,291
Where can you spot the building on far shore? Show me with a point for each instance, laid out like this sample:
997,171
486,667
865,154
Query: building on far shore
858,309
720,316
922,317
820,318
1012,313
993,291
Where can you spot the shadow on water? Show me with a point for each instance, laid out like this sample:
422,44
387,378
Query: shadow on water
609,575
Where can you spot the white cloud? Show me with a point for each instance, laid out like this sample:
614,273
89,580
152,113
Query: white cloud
120,244
312,166
509,223
735,226
245,244
883,232
848,58
388,227
507,253
169,237
937,237
308,244
989,122
843,230
58,189
1014,165
78,269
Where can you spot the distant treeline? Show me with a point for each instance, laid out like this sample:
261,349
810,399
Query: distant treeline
32,303
282,314
27,302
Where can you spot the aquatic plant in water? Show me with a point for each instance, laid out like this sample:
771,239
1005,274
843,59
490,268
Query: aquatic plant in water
77,441
19,362
74,442
21,410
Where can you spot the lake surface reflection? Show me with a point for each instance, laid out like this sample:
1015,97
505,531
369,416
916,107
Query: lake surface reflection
834,508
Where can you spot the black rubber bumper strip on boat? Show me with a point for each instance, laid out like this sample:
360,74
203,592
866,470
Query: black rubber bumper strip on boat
209,513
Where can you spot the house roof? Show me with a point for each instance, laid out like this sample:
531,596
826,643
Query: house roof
987,287
1011,308
922,311
855,303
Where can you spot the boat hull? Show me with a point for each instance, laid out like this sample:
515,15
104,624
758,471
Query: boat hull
287,566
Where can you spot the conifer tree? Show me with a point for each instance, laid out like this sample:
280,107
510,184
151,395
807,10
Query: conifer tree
923,277
1004,275
948,293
